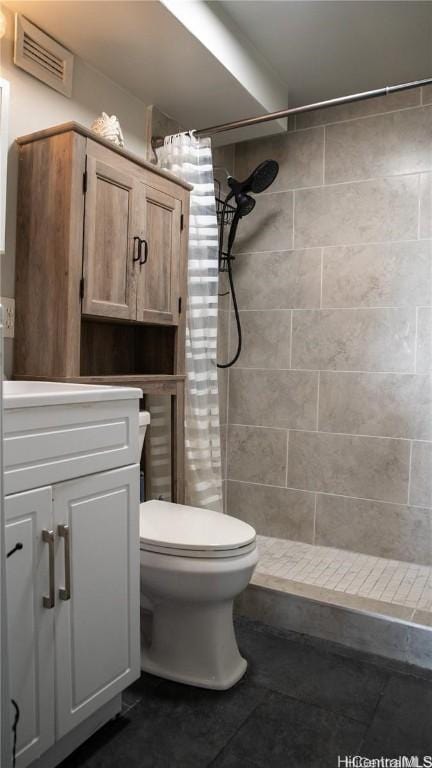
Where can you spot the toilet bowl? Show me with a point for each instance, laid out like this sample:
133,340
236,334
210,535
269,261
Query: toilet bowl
194,562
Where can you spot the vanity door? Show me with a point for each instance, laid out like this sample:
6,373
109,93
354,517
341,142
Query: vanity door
97,612
30,615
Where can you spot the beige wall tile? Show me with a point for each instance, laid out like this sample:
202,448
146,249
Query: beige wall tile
273,511
223,442
367,467
421,475
384,275
269,227
266,338
427,94
424,340
300,157
223,158
284,399
425,228
354,339
257,455
223,394
383,404
222,335
398,142
400,100
359,212
224,292
279,280
385,530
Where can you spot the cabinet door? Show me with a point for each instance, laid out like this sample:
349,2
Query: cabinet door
158,289
30,624
97,615
109,245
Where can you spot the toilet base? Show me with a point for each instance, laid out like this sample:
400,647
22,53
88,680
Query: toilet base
194,644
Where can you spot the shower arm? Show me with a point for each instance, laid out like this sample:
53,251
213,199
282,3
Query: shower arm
157,141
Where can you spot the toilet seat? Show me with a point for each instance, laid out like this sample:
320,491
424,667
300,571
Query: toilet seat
182,531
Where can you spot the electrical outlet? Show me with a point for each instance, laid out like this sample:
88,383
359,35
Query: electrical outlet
8,317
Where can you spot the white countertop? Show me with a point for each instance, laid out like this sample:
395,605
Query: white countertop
26,394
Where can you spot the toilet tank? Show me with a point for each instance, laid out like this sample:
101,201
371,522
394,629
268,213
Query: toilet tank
144,421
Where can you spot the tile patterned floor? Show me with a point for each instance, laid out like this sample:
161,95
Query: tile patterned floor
301,703
346,578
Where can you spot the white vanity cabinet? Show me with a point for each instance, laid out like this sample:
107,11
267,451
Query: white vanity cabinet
73,583
30,625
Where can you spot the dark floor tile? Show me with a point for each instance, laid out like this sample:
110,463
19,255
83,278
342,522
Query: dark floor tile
393,666
140,688
343,685
174,726
284,732
229,759
403,721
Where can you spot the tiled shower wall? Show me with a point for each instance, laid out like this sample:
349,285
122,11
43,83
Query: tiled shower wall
327,416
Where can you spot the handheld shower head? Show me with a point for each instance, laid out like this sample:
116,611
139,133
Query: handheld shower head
262,177
259,180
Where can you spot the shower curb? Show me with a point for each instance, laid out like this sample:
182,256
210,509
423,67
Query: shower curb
372,633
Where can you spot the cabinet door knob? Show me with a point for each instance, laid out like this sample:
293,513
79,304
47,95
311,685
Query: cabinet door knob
137,251
145,243
64,533
48,537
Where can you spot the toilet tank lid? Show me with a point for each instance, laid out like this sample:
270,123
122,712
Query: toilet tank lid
182,527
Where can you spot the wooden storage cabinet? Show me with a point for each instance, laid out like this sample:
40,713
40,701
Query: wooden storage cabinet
62,669
101,235
101,269
132,246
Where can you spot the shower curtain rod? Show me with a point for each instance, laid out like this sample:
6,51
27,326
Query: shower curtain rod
158,141
386,91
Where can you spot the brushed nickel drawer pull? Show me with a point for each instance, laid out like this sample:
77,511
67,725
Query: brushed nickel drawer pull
63,532
49,538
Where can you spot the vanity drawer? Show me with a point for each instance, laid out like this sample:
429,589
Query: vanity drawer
45,445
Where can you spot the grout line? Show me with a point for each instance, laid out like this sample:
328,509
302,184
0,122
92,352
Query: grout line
332,371
291,340
318,401
416,341
409,472
330,185
322,278
287,455
418,206
329,493
314,521
372,308
359,117
293,220
337,245
324,155
336,434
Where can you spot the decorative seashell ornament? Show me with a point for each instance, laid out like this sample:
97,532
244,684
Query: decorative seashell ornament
109,128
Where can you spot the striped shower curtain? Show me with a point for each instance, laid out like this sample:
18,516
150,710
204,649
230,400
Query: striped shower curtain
191,159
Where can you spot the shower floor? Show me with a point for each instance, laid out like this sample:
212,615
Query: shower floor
350,579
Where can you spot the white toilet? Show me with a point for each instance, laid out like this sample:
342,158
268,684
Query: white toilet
194,562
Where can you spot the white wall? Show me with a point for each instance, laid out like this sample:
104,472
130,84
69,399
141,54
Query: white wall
34,106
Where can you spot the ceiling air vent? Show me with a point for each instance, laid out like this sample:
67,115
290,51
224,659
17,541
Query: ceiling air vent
41,56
